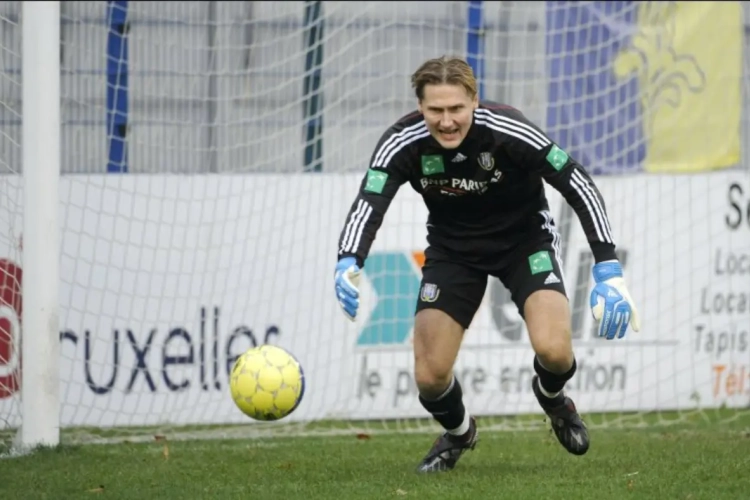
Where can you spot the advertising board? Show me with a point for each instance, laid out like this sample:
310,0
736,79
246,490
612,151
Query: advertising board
166,279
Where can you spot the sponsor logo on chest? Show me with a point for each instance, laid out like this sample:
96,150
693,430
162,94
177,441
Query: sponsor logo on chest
432,165
455,185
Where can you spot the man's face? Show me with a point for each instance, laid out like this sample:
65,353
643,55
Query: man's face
448,111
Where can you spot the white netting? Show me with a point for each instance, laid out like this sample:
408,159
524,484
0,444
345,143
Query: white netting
11,208
168,270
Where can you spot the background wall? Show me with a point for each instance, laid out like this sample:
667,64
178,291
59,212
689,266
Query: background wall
219,86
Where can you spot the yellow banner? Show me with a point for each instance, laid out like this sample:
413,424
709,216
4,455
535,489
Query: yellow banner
688,58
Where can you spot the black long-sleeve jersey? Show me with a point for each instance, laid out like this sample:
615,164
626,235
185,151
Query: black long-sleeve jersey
483,198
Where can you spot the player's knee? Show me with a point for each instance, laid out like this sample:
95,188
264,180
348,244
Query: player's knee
552,344
432,381
555,350
437,338
548,320
433,371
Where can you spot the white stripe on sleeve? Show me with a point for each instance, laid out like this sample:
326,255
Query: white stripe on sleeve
596,211
351,226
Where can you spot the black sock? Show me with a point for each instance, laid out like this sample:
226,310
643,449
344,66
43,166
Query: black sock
448,409
553,382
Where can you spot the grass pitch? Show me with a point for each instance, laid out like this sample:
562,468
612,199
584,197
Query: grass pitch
695,459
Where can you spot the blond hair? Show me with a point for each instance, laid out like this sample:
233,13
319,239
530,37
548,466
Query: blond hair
450,70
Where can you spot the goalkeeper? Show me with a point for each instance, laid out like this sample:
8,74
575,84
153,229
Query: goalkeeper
479,167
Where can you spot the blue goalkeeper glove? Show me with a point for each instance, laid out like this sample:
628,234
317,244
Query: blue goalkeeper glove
610,301
346,277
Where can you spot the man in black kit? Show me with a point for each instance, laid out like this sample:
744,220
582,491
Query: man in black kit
479,167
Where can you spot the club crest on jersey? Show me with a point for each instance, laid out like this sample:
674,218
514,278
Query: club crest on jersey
486,161
430,292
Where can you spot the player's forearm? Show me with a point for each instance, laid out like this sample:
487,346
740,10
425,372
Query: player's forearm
602,251
586,200
362,224
595,223
596,228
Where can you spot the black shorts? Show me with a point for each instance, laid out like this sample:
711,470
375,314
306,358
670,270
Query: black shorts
458,288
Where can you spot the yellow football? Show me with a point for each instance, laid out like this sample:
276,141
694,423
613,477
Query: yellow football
267,383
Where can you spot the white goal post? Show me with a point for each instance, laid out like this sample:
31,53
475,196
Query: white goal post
40,352
174,177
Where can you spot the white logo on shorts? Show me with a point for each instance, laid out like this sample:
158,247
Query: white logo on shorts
430,292
551,279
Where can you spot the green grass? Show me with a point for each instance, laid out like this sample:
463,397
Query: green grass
701,457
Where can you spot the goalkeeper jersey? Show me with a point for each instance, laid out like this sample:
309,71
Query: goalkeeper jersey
485,197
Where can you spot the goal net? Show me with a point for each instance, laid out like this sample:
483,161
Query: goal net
210,152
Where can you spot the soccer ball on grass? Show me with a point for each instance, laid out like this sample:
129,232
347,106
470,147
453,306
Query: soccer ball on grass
267,383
